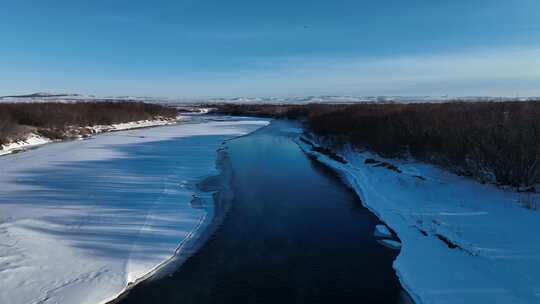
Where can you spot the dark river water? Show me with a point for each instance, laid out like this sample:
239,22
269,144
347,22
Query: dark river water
294,234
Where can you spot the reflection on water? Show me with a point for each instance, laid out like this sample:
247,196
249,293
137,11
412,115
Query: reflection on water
294,234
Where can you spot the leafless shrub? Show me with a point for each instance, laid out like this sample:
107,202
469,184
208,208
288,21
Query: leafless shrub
53,119
492,141
483,138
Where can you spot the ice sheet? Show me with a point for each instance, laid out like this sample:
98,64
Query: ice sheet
79,220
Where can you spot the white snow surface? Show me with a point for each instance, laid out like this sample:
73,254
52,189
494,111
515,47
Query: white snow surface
133,125
31,140
79,220
498,255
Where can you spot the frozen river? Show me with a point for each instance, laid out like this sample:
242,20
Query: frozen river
294,234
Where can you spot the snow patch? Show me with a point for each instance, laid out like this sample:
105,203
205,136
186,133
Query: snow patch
382,231
31,140
133,125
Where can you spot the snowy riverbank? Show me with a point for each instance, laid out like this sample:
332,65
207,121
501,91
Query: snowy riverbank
33,140
80,220
463,242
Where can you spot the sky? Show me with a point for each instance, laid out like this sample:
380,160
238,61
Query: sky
217,48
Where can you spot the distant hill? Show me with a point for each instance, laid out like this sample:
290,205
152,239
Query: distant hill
40,95
330,99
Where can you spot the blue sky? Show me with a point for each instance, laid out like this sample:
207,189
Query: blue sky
203,48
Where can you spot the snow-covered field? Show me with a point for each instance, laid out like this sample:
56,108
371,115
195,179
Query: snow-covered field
32,140
462,242
79,220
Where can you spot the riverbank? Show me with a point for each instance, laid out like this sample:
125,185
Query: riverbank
97,215
25,125
33,140
492,141
463,242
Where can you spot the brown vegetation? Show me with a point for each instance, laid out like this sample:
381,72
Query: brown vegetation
53,119
492,141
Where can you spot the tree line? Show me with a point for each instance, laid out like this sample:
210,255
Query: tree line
492,141
53,119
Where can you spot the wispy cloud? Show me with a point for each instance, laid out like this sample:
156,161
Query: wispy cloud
507,72
502,72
